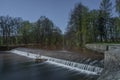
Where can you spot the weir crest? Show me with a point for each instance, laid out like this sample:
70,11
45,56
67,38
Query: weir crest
85,68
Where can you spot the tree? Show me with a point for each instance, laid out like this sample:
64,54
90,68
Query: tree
56,37
15,30
44,30
9,28
104,18
77,26
93,26
25,31
118,6
117,28
46,33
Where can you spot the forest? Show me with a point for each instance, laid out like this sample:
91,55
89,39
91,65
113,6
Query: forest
84,26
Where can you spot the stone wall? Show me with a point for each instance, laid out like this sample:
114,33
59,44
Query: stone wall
96,47
102,47
112,65
111,60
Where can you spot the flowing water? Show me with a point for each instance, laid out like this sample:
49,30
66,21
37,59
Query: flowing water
14,67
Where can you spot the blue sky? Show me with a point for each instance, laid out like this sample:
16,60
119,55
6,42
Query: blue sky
56,10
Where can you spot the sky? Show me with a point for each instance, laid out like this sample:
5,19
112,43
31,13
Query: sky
56,10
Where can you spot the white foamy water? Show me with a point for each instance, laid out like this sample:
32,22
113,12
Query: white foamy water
63,63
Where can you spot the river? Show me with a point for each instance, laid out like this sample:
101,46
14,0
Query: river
15,67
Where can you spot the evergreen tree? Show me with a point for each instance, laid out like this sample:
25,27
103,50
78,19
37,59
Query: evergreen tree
104,18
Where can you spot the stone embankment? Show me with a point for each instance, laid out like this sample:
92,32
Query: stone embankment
112,65
102,47
111,52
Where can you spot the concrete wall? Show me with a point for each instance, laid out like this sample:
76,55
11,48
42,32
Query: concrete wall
112,65
102,47
111,61
96,47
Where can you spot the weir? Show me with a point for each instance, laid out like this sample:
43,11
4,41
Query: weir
64,63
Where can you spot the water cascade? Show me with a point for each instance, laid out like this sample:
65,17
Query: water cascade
64,63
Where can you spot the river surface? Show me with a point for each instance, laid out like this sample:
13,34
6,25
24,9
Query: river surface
15,67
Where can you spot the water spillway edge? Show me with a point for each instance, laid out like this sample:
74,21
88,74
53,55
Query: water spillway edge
85,68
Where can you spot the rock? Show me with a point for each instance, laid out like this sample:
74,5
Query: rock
40,60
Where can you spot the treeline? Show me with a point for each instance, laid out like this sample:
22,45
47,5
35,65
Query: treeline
84,26
93,26
16,31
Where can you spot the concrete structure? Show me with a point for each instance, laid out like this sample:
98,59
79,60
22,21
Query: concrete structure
102,47
112,65
111,60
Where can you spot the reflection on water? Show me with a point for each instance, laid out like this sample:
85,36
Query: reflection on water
14,67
